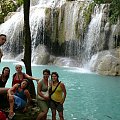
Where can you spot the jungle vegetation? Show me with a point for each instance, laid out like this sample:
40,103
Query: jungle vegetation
7,6
114,12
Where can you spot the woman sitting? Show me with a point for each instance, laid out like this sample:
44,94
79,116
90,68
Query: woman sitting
18,97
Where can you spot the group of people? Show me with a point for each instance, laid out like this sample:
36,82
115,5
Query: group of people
19,88
19,96
55,98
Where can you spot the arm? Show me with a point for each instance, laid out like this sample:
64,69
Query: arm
10,91
28,96
64,92
39,87
1,54
29,99
31,78
3,90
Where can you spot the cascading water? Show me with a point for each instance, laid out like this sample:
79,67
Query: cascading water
13,27
56,21
92,37
74,35
37,26
71,18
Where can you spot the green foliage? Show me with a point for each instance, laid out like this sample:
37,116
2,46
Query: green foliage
19,2
102,1
8,6
114,12
99,1
87,14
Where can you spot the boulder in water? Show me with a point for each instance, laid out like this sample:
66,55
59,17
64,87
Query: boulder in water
106,62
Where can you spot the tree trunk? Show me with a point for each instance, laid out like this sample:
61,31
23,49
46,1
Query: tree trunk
27,52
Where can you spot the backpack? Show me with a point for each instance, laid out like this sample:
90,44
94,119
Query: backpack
2,115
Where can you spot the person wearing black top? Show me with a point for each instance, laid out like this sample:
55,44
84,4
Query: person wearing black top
3,80
4,76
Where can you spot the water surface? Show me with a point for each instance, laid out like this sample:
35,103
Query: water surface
89,96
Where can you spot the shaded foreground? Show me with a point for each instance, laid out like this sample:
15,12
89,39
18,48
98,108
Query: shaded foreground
31,113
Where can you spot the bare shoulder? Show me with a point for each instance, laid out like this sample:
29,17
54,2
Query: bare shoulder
62,84
40,81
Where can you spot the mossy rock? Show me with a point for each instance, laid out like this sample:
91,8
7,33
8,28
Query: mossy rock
31,114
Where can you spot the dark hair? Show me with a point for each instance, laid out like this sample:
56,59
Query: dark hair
3,72
55,73
46,70
3,35
27,83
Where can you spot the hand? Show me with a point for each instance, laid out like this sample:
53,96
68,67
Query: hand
62,101
46,98
37,80
25,109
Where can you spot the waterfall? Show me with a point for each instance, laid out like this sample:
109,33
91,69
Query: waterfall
71,17
13,27
37,19
92,37
74,20
60,24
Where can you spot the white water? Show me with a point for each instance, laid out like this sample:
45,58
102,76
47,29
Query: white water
14,26
93,36
37,19
73,15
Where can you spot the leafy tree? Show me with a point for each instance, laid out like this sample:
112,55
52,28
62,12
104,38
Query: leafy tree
8,6
114,12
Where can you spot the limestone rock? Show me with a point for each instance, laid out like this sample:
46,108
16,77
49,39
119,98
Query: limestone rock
106,62
41,55
62,61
